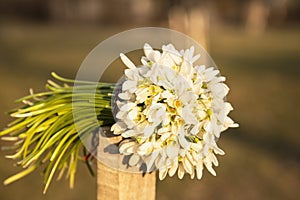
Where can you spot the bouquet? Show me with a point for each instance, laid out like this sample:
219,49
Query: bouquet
168,111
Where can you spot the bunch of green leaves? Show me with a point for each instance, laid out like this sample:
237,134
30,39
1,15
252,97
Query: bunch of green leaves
44,131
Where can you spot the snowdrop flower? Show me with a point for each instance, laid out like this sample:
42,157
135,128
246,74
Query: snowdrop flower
171,112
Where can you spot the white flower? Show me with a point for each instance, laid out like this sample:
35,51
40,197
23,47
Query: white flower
171,112
157,113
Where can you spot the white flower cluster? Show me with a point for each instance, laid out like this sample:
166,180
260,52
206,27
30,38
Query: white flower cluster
171,113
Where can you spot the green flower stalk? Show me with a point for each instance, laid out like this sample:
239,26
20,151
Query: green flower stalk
44,132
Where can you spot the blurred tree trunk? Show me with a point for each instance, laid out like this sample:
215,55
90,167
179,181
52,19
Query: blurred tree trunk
257,17
193,21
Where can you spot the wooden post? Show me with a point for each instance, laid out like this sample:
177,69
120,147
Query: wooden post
113,184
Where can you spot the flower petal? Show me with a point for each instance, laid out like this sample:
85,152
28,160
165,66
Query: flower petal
199,170
127,62
134,159
180,171
162,173
173,168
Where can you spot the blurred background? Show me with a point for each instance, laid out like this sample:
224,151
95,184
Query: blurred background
255,43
